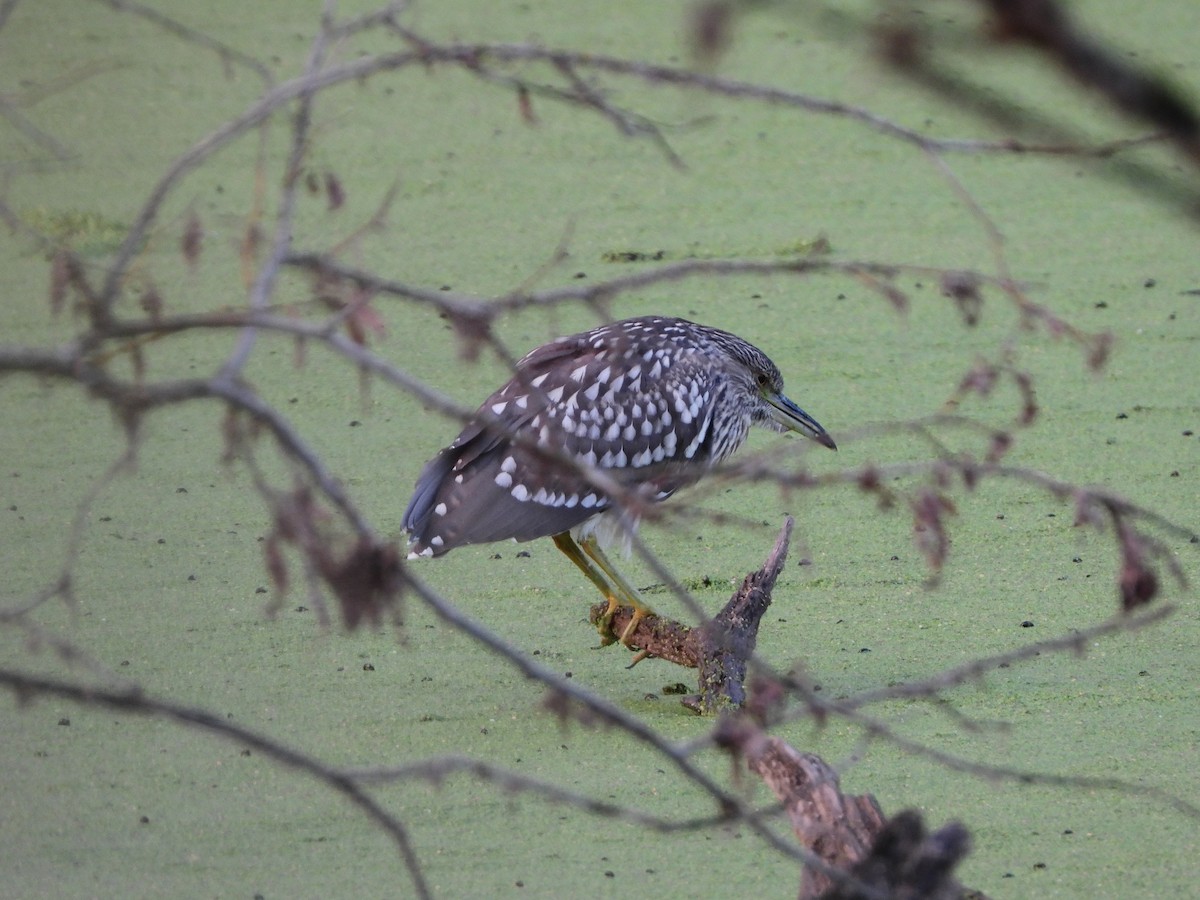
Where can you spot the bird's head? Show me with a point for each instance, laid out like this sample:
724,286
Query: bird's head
771,407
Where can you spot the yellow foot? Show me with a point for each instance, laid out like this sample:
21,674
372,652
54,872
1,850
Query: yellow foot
638,657
634,621
604,624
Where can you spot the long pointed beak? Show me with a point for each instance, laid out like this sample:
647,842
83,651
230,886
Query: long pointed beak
793,418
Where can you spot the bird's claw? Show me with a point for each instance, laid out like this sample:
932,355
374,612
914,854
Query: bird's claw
638,657
634,621
609,636
604,624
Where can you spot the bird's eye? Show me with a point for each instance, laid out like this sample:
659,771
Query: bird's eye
763,380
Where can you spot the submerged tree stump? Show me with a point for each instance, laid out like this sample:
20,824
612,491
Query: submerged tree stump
848,834
838,829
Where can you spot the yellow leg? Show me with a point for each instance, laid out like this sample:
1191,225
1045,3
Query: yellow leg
631,596
616,590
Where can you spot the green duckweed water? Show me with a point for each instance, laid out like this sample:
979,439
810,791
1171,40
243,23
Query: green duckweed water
170,579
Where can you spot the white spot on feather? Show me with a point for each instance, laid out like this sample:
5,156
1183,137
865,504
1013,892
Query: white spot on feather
690,450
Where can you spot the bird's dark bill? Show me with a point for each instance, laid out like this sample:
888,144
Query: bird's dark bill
793,418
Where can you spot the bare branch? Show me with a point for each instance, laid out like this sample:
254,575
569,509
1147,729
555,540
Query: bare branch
133,701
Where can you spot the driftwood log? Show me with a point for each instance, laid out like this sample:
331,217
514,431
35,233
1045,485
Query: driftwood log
857,852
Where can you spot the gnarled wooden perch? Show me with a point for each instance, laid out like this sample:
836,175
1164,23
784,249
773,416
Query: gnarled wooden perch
860,854
719,648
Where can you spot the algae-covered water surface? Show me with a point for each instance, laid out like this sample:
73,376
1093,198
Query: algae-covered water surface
1076,772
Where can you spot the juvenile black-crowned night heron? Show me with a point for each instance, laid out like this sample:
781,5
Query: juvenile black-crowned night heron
591,427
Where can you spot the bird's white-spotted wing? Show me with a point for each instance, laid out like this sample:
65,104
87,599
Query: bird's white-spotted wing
614,401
